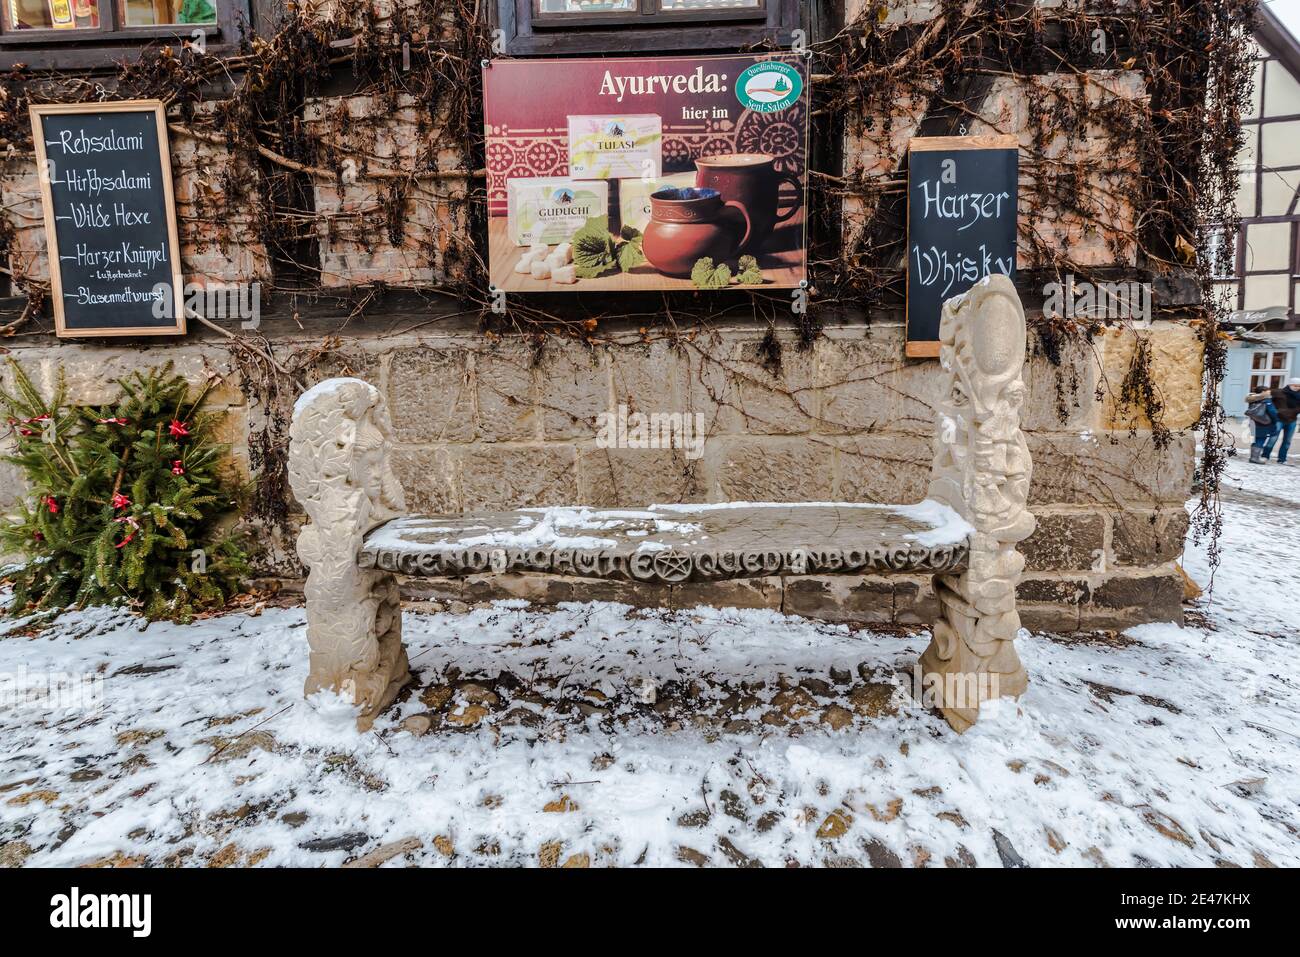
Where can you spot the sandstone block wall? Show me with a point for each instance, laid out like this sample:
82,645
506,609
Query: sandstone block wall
484,425
216,203
20,195
1032,110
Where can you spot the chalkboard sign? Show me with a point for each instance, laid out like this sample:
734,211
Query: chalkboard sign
110,219
961,224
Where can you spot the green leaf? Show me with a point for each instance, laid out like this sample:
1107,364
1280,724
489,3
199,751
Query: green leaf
591,272
630,254
706,275
593,249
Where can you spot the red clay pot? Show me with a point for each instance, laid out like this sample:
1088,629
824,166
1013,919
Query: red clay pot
690,223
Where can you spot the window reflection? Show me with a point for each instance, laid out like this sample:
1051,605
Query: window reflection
149,13
584,6
51,14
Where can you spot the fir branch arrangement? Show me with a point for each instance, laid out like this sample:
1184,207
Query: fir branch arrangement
125,501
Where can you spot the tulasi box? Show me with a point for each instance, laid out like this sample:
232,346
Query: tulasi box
550,209
624,146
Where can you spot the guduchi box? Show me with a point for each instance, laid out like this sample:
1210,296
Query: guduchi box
550,209
625,146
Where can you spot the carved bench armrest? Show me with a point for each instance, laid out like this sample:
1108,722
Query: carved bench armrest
340,473
982,470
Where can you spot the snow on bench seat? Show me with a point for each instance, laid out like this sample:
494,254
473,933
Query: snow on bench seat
676,543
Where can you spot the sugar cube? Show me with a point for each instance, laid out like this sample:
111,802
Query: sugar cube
565,274
541,269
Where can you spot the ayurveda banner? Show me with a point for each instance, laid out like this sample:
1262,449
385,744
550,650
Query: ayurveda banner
647,173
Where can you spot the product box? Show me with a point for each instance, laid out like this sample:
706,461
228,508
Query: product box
550,209
634,196
623,146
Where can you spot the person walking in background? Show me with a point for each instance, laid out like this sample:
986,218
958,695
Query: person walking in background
1261,410
1286,403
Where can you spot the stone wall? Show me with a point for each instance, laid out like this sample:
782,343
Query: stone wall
489,422
412,231
492,424
1031,110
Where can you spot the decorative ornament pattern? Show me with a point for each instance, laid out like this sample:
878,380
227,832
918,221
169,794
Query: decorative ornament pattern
546,153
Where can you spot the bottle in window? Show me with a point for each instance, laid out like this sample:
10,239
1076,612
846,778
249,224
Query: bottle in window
61,15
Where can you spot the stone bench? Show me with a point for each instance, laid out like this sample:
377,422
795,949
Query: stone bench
359,541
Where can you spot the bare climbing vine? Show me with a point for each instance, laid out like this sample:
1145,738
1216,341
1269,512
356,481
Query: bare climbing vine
1129,115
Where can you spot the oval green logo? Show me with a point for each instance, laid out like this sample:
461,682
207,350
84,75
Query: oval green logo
769,87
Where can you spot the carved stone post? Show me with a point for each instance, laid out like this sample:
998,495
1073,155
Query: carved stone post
982,469
340,473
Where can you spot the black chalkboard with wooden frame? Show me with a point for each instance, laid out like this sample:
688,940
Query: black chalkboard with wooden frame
110,218
961,224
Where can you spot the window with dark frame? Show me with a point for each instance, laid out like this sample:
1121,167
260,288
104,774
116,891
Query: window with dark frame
1269,369
643,26
559,13
1265,265
20,15
89,34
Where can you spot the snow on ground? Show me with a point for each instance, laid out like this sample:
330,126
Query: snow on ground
595,734
1258,584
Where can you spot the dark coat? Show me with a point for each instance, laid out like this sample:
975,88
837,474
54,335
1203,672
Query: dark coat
1287,401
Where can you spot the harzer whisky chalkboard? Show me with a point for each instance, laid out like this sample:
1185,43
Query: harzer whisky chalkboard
110,219
961,224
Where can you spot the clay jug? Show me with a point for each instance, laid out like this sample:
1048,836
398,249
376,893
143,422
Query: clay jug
689,223
752,180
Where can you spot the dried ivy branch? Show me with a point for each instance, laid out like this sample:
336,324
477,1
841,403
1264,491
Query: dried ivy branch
1169,159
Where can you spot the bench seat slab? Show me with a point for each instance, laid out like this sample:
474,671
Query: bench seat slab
676,543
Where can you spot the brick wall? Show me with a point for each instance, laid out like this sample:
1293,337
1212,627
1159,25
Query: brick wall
427,213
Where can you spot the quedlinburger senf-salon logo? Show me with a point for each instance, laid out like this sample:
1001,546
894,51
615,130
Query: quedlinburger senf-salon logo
769,87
